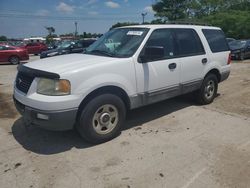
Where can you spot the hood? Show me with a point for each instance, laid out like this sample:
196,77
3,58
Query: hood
69,63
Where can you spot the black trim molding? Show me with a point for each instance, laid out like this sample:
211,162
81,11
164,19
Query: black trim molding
151,97
37,73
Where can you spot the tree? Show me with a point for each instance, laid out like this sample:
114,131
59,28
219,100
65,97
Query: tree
50,36
233,16
121,24
3,38
158,21
171,10
235,24
50,30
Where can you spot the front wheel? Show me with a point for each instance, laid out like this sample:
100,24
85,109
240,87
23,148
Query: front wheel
14,60
102,118
208,90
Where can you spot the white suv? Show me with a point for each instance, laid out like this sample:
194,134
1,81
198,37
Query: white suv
126,68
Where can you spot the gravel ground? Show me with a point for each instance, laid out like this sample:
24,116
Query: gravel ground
174,143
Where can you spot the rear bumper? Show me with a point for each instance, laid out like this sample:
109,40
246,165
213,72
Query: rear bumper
50,120
224,76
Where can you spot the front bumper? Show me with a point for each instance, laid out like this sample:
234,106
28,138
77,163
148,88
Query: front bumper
50,120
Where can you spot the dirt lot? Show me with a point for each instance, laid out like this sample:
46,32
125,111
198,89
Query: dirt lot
174,143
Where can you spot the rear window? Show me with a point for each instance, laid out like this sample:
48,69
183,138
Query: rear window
189,43
216,40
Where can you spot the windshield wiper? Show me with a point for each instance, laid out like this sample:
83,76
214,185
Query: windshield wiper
100,52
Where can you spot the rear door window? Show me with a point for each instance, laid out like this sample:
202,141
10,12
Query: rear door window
216,40
188,42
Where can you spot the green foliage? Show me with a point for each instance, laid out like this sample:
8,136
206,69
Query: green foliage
235,24
50,36
121,24
158,21
50,30
3,38
233,16
171,9
90,35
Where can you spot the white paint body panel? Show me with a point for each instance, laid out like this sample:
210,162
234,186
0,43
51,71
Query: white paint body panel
87,73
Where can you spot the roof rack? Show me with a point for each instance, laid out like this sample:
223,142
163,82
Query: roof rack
188,23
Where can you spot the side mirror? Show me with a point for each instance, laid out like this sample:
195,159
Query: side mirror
152,53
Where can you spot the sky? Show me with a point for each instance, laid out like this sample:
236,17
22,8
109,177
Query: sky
26,18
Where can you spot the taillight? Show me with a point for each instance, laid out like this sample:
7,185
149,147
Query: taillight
229,59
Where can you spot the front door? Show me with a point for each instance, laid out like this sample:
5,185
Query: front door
159,79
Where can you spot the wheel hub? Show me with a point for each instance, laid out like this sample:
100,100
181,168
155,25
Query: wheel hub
105,118
209,89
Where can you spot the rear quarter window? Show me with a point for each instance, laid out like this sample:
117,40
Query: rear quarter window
216,40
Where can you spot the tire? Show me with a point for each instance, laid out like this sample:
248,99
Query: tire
208,91
242,56
14,60
102,118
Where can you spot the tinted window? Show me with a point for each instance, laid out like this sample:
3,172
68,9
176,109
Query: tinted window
216,40
87,43
9,48
188,42
78,45
5,48
163,38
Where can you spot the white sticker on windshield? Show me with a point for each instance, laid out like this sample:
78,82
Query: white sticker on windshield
137,33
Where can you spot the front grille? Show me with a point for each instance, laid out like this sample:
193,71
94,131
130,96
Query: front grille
23,82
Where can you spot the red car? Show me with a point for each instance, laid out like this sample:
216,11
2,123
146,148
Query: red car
13,54
35,48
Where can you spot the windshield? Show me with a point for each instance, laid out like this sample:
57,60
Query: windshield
65,44
122,42
237,44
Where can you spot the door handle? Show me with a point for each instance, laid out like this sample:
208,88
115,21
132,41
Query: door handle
204,61
172,66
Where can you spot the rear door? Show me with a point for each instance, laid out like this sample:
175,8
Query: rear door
192,58
37,48
30,48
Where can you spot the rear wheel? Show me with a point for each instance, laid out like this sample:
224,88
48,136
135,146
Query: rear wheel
14,60
208,90
102,118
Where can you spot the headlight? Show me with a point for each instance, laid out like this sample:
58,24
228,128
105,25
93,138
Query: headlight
53,87
52,54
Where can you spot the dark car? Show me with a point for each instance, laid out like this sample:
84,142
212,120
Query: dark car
240,49
68,47
13,54
35,48
230,40
53,45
